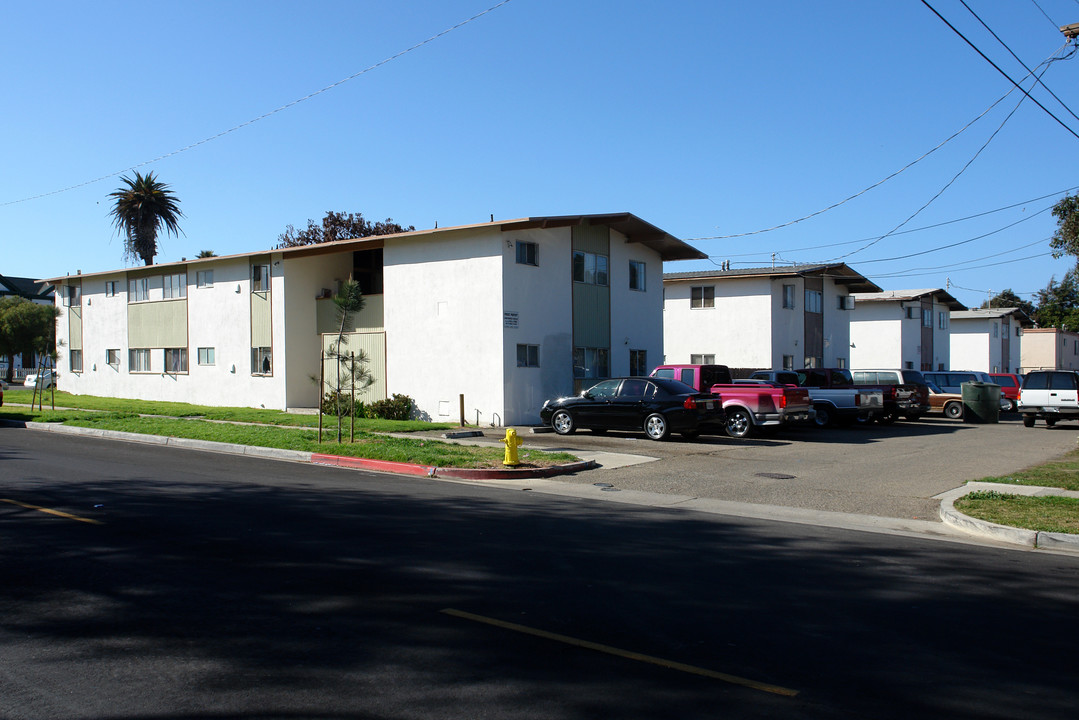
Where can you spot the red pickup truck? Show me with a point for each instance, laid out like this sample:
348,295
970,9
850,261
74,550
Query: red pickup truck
749,406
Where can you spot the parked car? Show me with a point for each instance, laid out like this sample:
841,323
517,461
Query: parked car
1049,395
952,381
748,407
951,404
655,405
48,379
905,391
1009,388
833,393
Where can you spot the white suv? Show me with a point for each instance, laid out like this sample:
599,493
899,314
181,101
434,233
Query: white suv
1050,395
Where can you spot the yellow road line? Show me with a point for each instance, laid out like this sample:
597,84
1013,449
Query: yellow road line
733,679
50,511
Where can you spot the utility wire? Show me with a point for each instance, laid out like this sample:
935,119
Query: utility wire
936,271
284,107
1055,25
1029,71
997,68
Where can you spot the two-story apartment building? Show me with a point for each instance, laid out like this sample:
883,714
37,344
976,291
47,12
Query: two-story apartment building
761,318
496,316
35,291
988,339
908,329
1049,349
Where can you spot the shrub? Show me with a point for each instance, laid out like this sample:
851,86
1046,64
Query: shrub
329,405
398,407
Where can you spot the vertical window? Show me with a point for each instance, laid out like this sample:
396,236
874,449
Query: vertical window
996,330
927,317
206,356
788,360
138,361
702,359
942,320
636,275
589,268
75,359
138,290
814,301
702,297
841,362
260,278
72,295
204,278
638,362
788,297
112,357
175,360
261,362
110,288
527,253
527,355
590,362
174,286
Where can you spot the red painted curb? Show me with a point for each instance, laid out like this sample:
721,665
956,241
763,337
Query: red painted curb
402,468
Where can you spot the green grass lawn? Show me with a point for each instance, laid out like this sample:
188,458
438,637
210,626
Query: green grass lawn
1044,514
368,444
1062,473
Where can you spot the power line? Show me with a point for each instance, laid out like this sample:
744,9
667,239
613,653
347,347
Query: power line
997,68
956,268
284,107
1054,24
1029,71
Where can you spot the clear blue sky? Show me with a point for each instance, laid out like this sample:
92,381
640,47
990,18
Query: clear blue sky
707,118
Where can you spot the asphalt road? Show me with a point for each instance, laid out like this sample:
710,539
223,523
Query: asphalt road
890,471
216,586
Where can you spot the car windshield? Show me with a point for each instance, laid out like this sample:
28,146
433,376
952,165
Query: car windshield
934,387
673,387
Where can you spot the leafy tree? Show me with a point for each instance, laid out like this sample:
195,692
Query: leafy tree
338,226
1058,303
206,254
139,212
1007,299
1066,238
26,328
352,372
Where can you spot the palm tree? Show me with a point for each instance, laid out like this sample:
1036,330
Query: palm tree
140,210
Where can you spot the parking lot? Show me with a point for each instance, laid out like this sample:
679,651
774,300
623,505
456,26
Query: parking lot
890,471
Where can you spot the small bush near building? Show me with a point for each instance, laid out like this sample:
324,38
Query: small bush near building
398,407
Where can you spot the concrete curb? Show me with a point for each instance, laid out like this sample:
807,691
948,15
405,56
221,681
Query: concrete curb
1005,533
399,468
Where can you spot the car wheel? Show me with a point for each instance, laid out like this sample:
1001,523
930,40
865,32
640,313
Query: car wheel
562,422
824,416
953,410
739,424
1028,421
1013,405
1050,422
656,427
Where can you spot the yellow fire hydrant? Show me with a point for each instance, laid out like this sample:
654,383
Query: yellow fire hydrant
512,441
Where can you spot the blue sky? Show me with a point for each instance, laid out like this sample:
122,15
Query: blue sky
708,119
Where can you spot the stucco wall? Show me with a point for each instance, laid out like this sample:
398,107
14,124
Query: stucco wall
636,316
738,330
876,331
972,346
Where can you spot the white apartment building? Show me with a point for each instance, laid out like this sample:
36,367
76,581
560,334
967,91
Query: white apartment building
988,340
903,329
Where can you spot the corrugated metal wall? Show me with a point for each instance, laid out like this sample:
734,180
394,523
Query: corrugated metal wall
74,328
373,344
592,303
158,324
261,327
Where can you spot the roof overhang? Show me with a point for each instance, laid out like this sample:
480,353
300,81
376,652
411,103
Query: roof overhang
840,273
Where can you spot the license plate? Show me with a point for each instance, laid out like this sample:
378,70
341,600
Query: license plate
1052,409
709,406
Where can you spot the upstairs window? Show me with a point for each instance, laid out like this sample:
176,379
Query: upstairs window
138,290
702,359
110,288
260,278
204,278
788,297
814,301
927,317
174,286
702,297
527,253
528,356
72,295
636,275
590,268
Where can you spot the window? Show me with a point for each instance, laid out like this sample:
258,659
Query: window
110,288
206,356
261,363
72,295
909,365
527,253
846,302
138,290
636,275
590,362
814,301
138,361
702,297
909,313
75,359
204,278
788,360
638,362
260,278
174,286
528,356
112,357
702,359
942,320
927,317
788,297
996,330
589,268
175,360
841,362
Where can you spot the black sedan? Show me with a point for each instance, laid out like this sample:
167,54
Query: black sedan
656,405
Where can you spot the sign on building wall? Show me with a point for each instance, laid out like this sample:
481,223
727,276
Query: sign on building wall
511,320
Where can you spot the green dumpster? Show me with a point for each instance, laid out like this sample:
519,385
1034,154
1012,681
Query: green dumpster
981,402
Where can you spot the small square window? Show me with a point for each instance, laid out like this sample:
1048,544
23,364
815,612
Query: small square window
702,359
260,278
138,290
261,361
175,360
527,253
112,357
204,278
206,356
138,361
788,360
528,356
75,358
702,297
110,288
